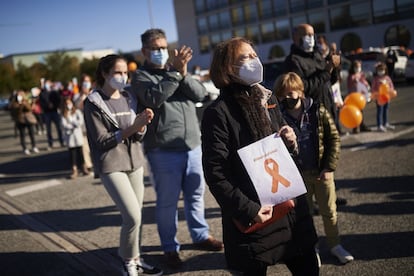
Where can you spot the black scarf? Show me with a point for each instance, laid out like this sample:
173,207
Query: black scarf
249,98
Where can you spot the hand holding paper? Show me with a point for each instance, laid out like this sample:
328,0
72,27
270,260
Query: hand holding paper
288,134
272,170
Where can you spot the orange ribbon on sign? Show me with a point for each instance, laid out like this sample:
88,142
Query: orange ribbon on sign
274,172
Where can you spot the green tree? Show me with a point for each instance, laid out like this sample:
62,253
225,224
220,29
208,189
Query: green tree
7,82
62,67
39,70
24,78
88,66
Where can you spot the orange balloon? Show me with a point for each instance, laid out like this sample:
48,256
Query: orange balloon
383,99
356,99
350,116
132,66
383,89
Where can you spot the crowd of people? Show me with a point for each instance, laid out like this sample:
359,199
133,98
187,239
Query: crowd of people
53,108
113,126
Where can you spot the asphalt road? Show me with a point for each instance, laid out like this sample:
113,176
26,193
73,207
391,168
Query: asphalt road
51,225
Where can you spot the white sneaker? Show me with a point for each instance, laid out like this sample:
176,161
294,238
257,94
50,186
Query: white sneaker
35,150
130,268
318,257
342,255
146,269
382,129
27,151
392,127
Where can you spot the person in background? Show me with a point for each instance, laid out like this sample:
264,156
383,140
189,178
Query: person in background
67,91
246,112
85,89
196,73
72,125
357,83
37,111
319,148
326,51
114,132
381,77
172,143
50,101
21,112
390,59
78,100
317,73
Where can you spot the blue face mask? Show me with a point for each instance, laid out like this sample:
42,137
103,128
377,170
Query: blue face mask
159,57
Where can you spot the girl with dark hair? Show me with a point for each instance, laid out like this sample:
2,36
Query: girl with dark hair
114,131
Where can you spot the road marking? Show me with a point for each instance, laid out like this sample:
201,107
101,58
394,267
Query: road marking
34,187
370,139
97,261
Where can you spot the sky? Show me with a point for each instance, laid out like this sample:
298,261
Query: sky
47,25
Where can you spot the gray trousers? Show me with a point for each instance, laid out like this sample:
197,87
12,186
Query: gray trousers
127,191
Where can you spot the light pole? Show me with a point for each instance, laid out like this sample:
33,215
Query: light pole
150,13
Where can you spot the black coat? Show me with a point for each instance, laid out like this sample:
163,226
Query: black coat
224,131
317,81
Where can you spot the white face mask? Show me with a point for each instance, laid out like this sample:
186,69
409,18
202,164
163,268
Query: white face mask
357,69
118,82
19,98
86,85
308,42
159,57
381,73
251,72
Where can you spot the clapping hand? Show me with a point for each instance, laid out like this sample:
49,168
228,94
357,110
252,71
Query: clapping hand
181,59
143,118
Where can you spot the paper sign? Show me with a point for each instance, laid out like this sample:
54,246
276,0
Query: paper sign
272,170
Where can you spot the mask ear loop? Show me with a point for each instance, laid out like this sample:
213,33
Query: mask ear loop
304,120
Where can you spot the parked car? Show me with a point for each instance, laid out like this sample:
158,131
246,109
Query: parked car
369,59
409,69
4,103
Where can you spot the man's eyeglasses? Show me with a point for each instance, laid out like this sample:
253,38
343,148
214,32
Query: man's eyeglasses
157,48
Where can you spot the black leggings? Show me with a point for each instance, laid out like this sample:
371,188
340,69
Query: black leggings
22,131
301,265
76,157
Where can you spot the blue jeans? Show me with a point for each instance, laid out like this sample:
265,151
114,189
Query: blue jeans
174,172
54,117
382,114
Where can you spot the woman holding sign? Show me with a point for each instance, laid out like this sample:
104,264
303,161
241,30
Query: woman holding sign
245,113
319,147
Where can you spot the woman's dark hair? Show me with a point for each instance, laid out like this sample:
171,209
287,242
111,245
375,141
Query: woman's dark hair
104,66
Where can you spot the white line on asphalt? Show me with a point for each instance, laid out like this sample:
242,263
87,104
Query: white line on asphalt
375,138
34,187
